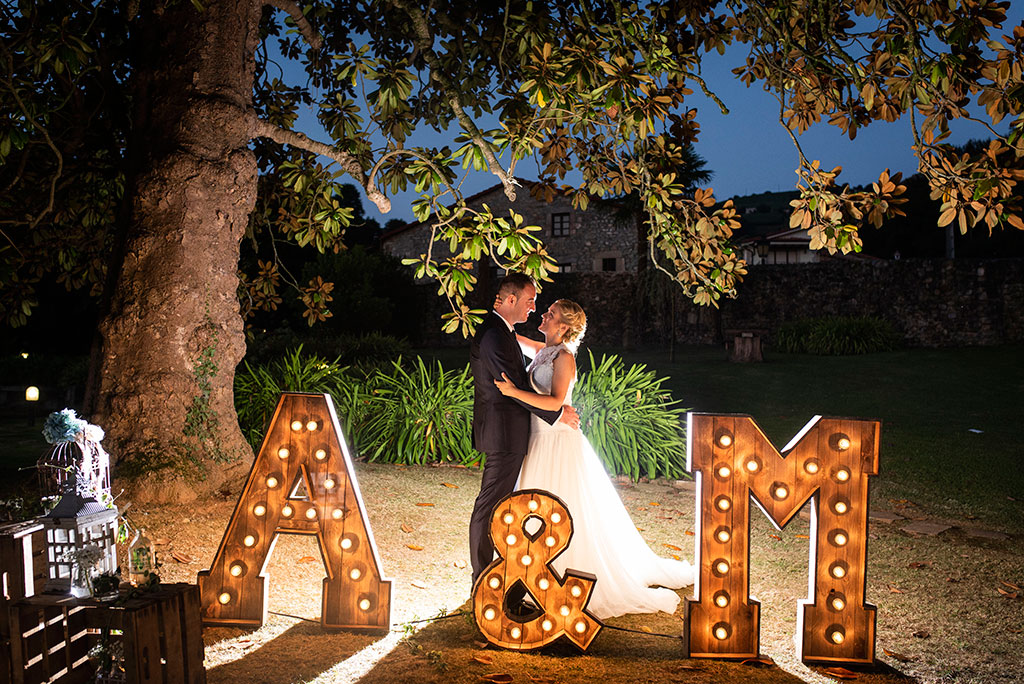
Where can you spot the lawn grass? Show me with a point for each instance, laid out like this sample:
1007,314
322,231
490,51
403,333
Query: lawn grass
928,400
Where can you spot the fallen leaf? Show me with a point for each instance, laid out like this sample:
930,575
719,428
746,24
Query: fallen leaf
688,533
449,485
654,503
759,661
639,529
802,536
542,680
307,559
895,590
952,579
414,547
406,528
645,629
483,658
481,644
919,564
685,668
424,504
839,673
922,634
161,541
1012,585
775,536
1007,594
459,564
898,656
1014,631
675,557
498,678
418,584
182,557
673,547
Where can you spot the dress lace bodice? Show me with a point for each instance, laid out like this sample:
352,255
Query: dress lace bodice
542,371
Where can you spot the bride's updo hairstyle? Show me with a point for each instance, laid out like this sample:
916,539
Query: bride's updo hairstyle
572,315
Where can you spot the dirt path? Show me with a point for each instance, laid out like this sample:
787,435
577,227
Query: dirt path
945,587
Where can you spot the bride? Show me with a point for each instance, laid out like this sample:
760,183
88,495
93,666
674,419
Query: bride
630,577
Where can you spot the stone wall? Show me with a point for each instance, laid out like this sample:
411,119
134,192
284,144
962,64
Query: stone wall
931,302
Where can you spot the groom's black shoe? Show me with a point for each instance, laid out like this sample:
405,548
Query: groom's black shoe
524,611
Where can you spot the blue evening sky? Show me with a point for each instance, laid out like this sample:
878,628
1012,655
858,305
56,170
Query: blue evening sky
748,150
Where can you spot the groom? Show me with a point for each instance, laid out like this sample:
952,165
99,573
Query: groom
501,425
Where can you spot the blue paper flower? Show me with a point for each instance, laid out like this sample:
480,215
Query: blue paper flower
62,426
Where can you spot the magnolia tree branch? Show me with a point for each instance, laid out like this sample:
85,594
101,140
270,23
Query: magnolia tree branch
263,129
292,9
424,43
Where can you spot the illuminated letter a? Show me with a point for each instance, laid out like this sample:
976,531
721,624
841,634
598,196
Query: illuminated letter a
302,482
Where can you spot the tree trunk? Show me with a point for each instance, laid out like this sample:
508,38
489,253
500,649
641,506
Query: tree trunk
174,334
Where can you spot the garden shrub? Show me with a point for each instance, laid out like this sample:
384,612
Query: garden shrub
635,426
415,412
837,336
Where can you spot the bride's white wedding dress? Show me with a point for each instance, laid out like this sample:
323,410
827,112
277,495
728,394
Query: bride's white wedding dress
605,542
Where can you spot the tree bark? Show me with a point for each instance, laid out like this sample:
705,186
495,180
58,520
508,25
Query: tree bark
174,312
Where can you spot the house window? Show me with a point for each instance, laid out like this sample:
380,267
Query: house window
565,267
608,264
560,225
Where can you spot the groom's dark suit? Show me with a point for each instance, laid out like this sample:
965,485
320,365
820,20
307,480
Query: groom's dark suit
501,427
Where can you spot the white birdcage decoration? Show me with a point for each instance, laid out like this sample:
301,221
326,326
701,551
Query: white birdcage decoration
81,457
77,522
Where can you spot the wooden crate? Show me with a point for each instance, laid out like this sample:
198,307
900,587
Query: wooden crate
160,633
22,573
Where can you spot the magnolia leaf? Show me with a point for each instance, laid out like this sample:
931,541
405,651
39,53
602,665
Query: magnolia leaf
414,547
418,584
449,485
839,673
483,658
307,559
898,656
406,528
922,634
424,504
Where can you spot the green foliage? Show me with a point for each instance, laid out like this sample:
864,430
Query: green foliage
837,336
362,352
258,388
633,423
416,412
419,415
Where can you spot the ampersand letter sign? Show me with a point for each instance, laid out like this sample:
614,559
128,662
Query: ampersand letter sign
302,482
828,462
529,529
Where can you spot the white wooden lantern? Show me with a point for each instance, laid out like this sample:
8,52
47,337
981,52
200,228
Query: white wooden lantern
73,524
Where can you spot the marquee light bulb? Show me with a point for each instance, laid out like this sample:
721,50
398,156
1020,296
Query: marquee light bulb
564,611
283,453
249,540
576,591
781,492
840,507
287,511
355,573
494,582
259,510
296,425
842,474
337,513
526,560
721,633
224,598
546,625
533,505
511,540
489,614
320,454
271,481
581,627
837,637
724,471
723,535
722,600
723,567
723,503
838,603
346,543
543,584
556,518
364,605
843,443
515,632
508,518
725,441
328,483
549,541
753,466
811,467
838,572
235,570
310,513
312,426
840,539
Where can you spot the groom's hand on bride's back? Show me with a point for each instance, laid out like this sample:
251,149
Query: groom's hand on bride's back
570,417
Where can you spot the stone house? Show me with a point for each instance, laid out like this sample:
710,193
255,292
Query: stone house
594,240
